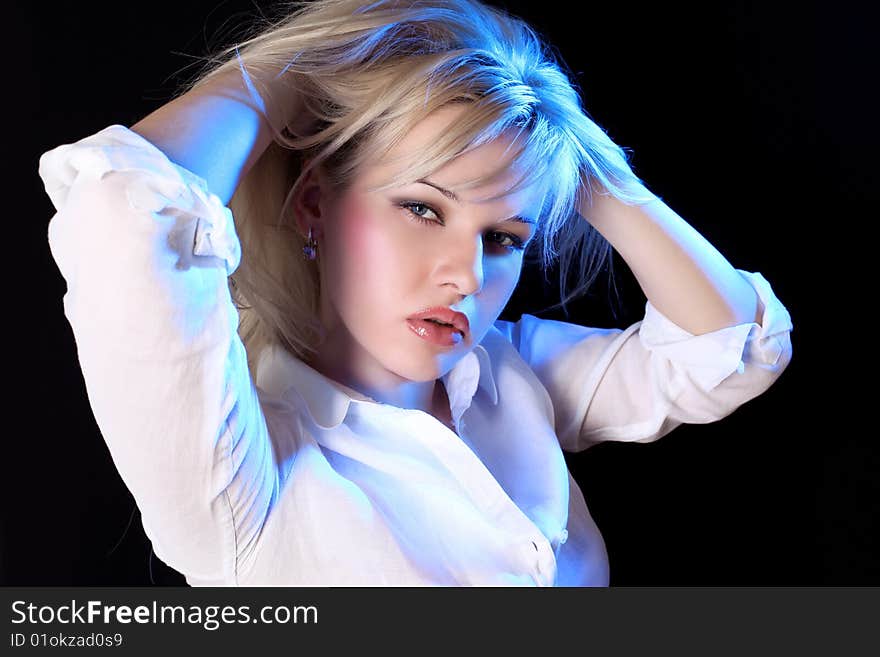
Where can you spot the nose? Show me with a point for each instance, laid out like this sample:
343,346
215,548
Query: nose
464,267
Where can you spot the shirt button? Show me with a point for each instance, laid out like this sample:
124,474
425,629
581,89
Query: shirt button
560,539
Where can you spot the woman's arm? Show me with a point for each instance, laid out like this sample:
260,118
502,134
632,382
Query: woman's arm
156,337
680,272
216,130
146,249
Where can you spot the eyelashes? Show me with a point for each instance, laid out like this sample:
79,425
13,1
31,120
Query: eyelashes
515,243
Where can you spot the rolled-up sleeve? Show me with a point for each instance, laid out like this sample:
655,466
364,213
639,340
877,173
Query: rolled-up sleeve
639,383
146,250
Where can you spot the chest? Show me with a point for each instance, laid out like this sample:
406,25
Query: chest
516,444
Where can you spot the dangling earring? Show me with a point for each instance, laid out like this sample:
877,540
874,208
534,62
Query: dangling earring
310,249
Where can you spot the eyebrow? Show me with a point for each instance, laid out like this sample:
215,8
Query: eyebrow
451,195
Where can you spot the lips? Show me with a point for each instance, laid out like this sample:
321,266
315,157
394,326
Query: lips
445,315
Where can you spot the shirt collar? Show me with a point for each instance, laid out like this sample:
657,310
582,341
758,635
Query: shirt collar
279,373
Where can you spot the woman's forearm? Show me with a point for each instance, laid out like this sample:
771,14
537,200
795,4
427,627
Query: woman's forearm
680,272
216,131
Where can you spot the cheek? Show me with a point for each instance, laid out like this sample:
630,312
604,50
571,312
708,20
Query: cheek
374,260
501,276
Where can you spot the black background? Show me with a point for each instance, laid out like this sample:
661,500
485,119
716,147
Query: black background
740,115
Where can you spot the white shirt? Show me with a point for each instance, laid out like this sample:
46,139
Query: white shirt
294,479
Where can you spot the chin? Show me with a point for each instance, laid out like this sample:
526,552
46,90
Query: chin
424,370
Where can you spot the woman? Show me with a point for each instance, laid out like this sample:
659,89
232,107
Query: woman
349,409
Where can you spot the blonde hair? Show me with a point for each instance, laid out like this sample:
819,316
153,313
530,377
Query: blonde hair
367,72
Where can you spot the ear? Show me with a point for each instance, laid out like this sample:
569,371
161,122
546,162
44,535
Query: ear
309,202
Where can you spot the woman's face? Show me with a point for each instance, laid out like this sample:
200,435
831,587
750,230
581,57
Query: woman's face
384,256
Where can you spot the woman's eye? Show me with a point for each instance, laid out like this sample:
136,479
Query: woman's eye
421,212
512,241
